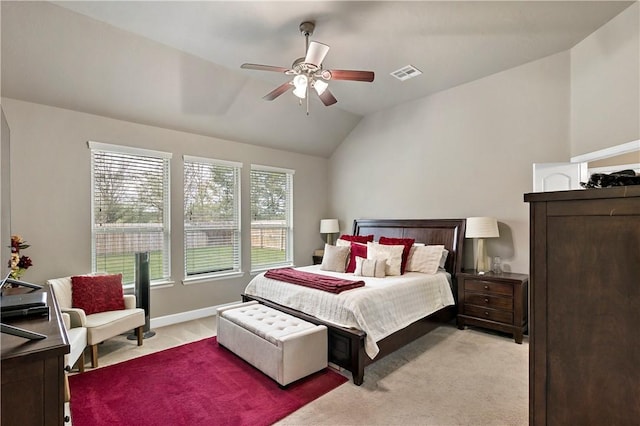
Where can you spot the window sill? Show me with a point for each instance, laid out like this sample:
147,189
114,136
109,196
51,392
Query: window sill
204,279
130,288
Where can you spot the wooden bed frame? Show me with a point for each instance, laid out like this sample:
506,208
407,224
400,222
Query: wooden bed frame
346,345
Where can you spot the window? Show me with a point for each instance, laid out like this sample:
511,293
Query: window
211,217
130,211
271,217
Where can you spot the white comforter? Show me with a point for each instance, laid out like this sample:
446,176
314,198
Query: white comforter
380,308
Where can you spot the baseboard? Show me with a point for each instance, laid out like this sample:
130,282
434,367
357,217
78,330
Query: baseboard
187,316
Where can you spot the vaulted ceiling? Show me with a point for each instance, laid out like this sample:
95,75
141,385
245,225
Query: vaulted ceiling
177,64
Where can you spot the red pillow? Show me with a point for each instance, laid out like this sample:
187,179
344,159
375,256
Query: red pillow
357,250
363,239
97,293
406,242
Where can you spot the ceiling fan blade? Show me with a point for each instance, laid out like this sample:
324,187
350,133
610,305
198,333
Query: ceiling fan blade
352,75
316,53
277,91
263,67
327,98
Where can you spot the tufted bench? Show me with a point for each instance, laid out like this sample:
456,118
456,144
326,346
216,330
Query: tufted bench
282,346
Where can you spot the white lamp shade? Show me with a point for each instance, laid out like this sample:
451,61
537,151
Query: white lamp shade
300,92
482,227
329,226
320,86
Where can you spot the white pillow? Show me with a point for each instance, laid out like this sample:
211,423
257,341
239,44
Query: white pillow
425,259
443,259
392,255
343,243
370,267
335,258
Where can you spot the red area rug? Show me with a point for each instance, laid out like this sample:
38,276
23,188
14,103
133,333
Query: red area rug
195,384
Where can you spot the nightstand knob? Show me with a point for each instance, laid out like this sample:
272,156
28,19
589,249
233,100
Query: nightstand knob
486,300
486,287
486,313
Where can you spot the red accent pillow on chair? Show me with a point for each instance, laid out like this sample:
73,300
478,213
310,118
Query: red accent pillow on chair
97,293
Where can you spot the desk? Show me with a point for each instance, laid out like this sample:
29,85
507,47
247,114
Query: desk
33,370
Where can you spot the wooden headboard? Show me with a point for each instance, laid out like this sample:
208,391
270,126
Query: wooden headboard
449,232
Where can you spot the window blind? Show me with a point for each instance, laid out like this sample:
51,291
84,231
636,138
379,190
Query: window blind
271,217
130,196
211,217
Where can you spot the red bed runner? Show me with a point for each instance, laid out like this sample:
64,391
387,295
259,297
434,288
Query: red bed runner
309,279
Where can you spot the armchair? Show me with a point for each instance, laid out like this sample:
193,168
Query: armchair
100,326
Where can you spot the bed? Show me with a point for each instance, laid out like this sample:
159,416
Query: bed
351,347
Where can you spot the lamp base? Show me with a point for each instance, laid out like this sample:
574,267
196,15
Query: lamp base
481,258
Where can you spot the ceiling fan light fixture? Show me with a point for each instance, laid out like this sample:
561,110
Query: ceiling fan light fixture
300,81
320,86
300,92
307,72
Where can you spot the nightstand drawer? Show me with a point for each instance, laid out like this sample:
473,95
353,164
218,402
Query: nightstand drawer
488,313
485,300
488,287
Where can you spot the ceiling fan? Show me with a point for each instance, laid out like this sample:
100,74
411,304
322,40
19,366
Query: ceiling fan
308,73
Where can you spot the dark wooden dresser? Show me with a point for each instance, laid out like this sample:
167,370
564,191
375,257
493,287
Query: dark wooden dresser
584,363
33,370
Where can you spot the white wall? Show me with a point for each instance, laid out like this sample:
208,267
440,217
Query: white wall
467,151
50,180
605,85
5,196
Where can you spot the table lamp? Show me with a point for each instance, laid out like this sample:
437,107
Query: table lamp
329,227
481,228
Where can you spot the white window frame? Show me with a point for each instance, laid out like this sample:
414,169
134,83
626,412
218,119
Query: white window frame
237,261
99,147
288,261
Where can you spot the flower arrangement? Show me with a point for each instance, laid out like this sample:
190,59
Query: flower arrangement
17,263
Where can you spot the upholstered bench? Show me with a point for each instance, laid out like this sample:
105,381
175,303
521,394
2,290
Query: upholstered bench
282,346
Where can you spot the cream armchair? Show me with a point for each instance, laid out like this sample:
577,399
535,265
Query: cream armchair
102,325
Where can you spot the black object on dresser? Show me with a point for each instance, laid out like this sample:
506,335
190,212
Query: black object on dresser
584,356
494,301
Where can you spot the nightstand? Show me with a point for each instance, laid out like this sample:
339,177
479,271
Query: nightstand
495,301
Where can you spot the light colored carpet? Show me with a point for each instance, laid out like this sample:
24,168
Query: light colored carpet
448,377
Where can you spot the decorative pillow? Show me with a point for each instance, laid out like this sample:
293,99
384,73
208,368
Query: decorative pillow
335,258
392,255
343,243
362,239
97,293
369,267
356,250
406,242
443,259
425,259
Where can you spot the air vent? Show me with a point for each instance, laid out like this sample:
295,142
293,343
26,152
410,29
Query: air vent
407,72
